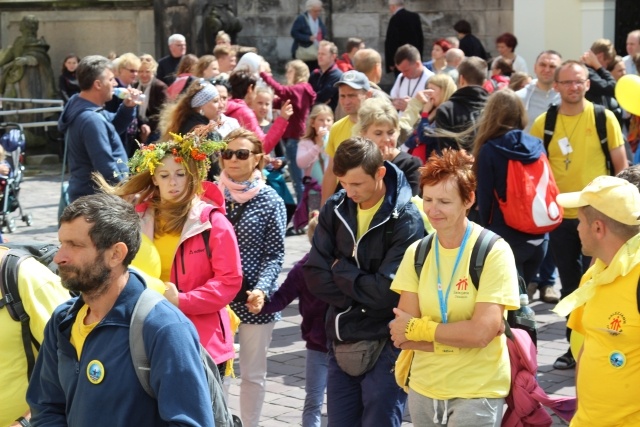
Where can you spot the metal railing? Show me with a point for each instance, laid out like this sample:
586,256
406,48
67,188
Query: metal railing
56,107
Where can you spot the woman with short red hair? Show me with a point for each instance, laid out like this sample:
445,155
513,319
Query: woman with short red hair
506,45
437,64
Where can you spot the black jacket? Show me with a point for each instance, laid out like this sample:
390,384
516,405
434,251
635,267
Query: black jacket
404,27
357,287
602,91
472,46
459,113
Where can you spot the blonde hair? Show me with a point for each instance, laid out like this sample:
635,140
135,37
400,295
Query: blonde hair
253,139
300,71
174,114
127,60
145,58
376,111
169,215
310,132
445,83
203,62
223,37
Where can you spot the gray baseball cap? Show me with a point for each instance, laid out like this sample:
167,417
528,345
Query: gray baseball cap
355,79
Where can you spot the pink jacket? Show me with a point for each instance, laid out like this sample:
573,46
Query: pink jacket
308,153
526,398
239,110
206,284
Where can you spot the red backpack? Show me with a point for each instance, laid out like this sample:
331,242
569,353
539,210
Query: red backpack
530,203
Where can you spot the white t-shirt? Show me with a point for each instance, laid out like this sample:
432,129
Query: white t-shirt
405,87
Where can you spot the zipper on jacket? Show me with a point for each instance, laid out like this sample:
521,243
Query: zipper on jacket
355,251
337,323
224,334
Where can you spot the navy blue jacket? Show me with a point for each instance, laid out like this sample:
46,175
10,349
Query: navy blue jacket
323,84
301,32
94,144
357,287
492,162
60,392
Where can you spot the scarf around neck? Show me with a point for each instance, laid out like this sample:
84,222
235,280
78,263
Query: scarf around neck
625,260
240,192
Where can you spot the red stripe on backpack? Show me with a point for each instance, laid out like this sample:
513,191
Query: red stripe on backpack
530,203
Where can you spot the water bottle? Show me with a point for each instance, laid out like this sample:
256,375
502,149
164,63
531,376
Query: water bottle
525,314
123,93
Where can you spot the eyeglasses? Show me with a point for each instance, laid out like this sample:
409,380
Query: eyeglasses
132,71
567,83
241,154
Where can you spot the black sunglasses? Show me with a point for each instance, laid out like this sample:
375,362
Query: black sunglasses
241,154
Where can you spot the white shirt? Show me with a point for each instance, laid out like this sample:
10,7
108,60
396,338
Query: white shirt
405,87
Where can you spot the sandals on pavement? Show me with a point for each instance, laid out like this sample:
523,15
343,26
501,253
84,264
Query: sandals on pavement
566,361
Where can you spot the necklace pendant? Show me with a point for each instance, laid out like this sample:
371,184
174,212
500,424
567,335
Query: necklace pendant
566,163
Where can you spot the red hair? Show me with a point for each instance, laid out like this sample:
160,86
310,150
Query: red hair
454,164
444,44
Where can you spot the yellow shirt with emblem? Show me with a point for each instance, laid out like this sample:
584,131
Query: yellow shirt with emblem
471,372
365,216
608,374
41,292
587,160
340,131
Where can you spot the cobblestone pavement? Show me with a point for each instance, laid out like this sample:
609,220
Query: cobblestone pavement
286,359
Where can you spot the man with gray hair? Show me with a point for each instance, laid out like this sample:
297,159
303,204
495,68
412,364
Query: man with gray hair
454,57
168,65
404,28
633,48
92,134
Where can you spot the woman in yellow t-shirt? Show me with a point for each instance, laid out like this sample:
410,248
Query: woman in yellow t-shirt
460,373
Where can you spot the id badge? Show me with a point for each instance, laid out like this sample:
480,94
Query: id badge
444,349
565,146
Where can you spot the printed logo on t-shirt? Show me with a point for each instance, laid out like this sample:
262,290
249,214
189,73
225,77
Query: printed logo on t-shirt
616,322
461,288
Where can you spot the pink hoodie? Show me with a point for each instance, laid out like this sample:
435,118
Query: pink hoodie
239,110
206,284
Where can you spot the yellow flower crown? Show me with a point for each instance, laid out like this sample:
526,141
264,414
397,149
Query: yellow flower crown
193,144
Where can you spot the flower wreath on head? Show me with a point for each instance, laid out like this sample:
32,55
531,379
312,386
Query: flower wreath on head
194,144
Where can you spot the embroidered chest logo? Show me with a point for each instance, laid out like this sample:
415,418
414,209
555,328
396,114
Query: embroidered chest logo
461,289
616,323
95,372
197,251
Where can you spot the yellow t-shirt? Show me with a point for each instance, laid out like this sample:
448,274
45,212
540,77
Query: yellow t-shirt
610,322
41,292
166,246
472,372
365,216
147,263
80,331
340,131
587,160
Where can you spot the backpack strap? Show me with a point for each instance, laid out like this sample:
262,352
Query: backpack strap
148,299
479,253
421,253
550,125
601,128
12,301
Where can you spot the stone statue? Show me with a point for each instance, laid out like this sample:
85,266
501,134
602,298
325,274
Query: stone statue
220,17
25,67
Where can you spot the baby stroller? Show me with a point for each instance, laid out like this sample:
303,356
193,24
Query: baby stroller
13,143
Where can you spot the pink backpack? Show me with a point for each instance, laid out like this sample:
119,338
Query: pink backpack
526,398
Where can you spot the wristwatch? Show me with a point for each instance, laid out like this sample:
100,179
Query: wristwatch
24,422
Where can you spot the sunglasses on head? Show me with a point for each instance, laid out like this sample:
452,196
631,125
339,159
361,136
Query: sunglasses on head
241,154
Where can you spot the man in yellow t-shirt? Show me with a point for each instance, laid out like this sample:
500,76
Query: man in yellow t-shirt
353,88
41,292
605,308
576,158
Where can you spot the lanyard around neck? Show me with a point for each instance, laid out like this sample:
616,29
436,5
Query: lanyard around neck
443,299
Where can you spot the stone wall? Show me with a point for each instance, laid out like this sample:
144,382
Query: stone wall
267,23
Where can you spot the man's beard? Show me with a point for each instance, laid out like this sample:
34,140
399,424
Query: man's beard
92,280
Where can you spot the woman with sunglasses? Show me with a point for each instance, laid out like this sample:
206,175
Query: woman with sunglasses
187,241
259,218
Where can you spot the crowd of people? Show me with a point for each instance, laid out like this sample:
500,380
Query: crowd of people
177,183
